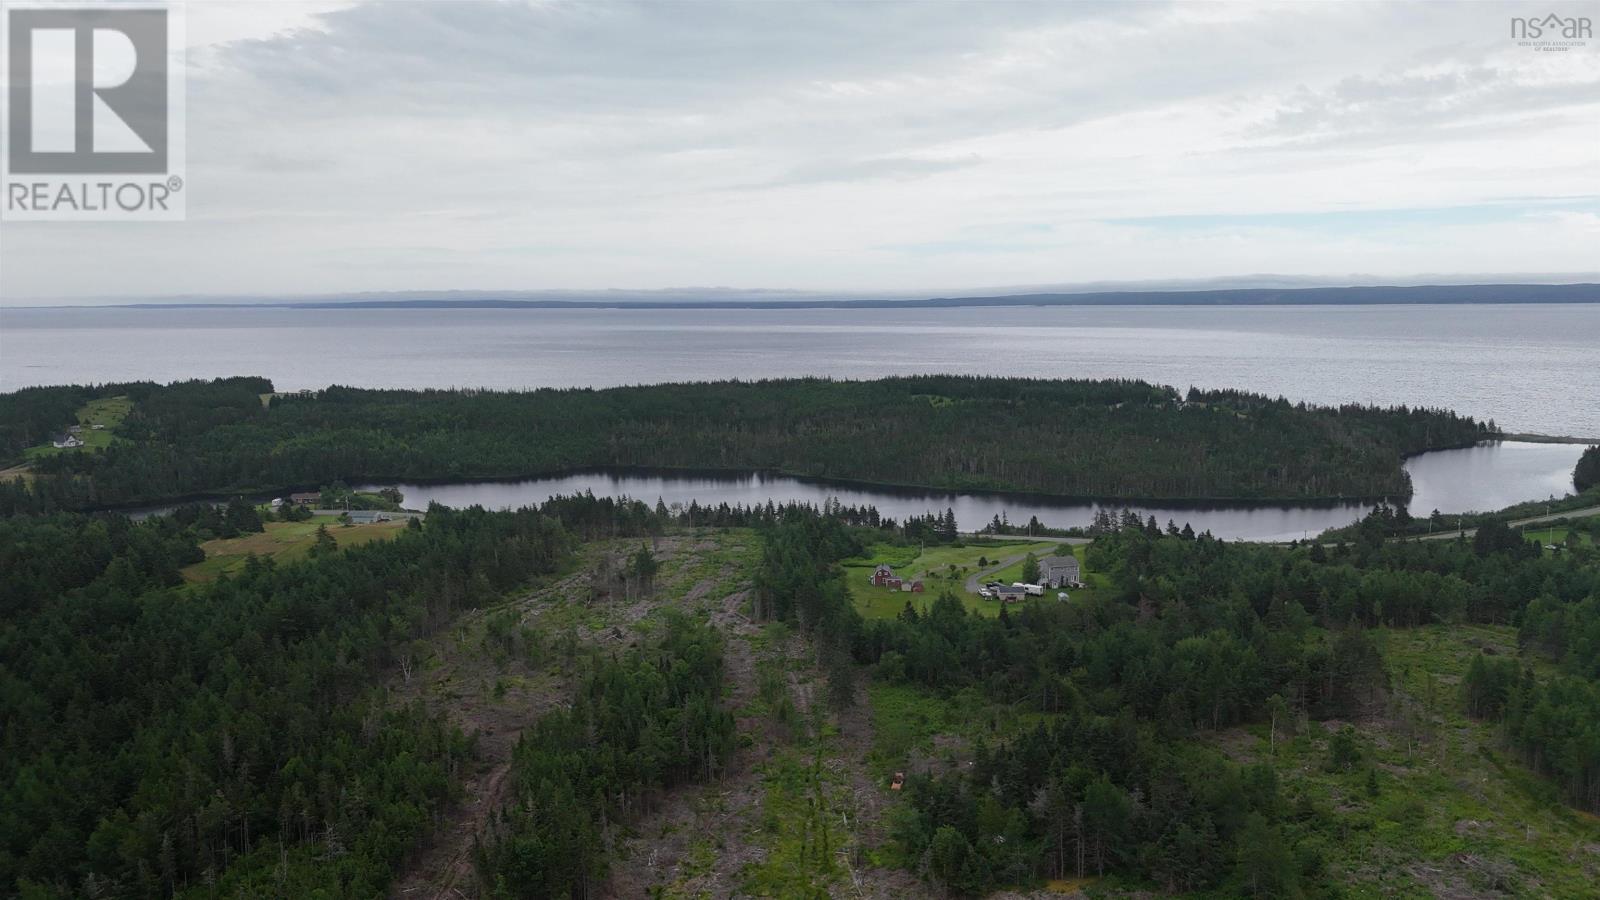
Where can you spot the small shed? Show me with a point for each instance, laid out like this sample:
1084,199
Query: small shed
1008,593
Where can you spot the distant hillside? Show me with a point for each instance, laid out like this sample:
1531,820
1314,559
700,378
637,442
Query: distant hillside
1317,296
1306,296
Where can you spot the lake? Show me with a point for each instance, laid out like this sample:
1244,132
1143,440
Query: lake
1450,481
1529,367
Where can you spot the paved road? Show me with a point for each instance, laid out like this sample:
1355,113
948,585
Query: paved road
392,514
1517,523
975,581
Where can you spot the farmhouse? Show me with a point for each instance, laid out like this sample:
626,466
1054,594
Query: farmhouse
882,575
62,441
306,498
1059,571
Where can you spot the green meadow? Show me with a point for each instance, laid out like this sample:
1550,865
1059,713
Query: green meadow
942,568
107,412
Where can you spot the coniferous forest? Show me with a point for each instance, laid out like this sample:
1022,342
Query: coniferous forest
603,697
1108,459
234,739
1110,439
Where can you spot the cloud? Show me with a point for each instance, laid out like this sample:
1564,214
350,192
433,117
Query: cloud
346,146
847,171
1373,221
1407,103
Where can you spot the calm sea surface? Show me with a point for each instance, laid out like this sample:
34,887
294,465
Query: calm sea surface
1450,481
1530,368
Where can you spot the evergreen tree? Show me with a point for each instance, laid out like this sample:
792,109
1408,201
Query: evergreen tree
1030,569
1587,472
1266,865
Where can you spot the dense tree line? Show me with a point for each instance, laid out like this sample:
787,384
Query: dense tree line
1553,723
192,740
1081,438
44,557
639,725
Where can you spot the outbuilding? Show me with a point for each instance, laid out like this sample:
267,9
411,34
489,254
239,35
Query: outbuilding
1008,593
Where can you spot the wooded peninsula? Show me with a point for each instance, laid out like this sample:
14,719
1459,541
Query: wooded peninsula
1115,439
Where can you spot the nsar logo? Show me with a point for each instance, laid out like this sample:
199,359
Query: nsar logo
1552,33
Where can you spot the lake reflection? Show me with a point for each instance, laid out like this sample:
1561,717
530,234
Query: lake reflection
1490,476
1485,477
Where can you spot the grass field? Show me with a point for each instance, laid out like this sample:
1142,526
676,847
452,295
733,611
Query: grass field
107,412
283,542
1454,814
1013,573
1557,534
933,566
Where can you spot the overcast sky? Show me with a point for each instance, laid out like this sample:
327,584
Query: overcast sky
853,146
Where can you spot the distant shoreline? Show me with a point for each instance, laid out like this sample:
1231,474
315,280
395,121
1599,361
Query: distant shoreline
1377,295
1526,438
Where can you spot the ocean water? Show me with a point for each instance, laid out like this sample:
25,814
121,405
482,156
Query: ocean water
1530,368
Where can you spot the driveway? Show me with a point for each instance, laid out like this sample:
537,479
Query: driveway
976,580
